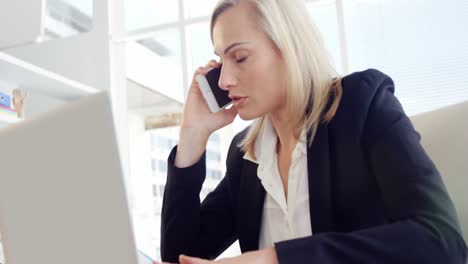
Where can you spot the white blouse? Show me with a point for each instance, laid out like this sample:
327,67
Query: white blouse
282,219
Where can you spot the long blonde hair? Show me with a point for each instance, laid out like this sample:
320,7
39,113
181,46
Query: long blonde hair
311,78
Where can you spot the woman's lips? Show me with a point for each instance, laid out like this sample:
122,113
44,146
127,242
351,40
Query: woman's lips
238,101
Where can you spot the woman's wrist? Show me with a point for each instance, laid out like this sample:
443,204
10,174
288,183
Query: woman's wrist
266,255
192,144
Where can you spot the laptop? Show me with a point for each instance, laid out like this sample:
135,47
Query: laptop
62,193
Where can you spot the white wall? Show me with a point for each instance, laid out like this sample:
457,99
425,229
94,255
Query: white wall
22,22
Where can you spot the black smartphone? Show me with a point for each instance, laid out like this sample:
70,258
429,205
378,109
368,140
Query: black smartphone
215,97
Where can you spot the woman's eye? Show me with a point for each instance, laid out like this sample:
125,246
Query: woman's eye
241,60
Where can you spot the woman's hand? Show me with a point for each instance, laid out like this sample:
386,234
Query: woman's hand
264,256
198,122
196,112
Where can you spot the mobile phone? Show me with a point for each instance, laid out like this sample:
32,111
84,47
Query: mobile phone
215,97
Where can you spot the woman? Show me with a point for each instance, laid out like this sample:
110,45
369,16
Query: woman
330,171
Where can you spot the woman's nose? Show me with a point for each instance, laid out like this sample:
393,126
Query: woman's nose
226,79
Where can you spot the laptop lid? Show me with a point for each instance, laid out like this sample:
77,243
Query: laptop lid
62,193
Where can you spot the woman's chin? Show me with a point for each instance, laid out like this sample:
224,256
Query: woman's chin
247,116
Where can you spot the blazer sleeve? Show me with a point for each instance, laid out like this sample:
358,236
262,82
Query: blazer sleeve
187,227
422,227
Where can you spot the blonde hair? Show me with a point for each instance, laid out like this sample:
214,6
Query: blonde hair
311,77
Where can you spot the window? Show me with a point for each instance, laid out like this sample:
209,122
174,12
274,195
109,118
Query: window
140,14
197,8
161,190
154,142
214,138
214,174
422,45
219,175
324,15
209,155
162,164
66,18
199,46
156,62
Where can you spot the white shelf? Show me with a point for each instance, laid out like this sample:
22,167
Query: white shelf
31,77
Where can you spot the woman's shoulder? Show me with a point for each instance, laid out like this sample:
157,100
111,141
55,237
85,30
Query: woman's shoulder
365,84
368,103
361,89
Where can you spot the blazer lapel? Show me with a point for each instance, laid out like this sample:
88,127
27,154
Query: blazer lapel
318,166
252,196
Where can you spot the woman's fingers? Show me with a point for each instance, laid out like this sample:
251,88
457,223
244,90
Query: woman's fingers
213,64
202,70
208,66
192,260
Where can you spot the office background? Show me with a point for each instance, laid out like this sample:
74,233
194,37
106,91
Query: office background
145,52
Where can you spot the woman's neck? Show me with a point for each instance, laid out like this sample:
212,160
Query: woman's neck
287,134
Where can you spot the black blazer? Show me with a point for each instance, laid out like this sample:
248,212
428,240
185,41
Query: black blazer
375,196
